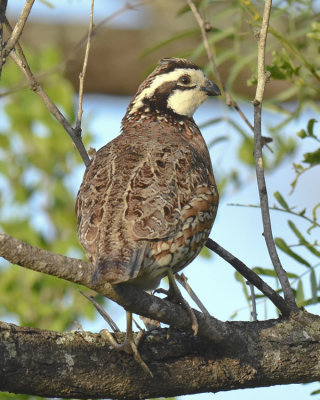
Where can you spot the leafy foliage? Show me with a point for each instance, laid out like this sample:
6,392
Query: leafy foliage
37,160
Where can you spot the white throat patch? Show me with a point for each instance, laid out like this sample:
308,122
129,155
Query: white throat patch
185,102
182,102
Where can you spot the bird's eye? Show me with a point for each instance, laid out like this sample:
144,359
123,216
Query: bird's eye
185,79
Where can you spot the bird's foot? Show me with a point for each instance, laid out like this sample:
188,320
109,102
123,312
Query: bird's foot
129,346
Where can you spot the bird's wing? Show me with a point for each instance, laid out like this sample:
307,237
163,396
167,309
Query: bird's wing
159,188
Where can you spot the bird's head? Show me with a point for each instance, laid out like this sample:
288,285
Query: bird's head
176,87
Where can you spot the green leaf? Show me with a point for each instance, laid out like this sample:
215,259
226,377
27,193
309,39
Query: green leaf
314,211
264,271
296,231
302,212
298,167
300,294
271,272
205,252
210,122
312,158
303,240
281,244
313,284
315,34
47,3
245,151
302,134
281,200
234,314
310,126
241,279
282,67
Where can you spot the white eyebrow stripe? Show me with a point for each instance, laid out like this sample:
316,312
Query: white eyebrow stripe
148,92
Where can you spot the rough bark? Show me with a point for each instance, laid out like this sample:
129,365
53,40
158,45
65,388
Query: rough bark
82,364
224,355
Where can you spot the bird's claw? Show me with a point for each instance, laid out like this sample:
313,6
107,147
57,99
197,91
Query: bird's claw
129,346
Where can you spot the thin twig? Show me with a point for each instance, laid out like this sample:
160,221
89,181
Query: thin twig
17,31
102,312
253,301
95,28
229,99
275,208
173,288
84,69
251,277
202,26
22,63
3,7
182,279
263,194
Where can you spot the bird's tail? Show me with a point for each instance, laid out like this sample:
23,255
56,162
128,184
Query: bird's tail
114,271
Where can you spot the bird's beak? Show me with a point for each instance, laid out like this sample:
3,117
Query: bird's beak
211,89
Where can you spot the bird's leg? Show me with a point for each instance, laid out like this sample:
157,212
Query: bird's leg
174,288
130,346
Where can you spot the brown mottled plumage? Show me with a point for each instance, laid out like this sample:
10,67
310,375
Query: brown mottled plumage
148,198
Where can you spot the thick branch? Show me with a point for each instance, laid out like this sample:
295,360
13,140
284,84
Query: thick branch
129,297
82,365
263,194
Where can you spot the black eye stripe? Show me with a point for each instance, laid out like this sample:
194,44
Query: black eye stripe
185,87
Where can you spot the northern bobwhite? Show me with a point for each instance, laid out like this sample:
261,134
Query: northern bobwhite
148,198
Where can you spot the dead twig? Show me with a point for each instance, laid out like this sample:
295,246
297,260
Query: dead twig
229,99
84,69
183,280
102,312
17,30
263,194
21,61
253,301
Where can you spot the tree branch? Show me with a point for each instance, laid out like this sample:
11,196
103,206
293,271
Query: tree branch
22,63
251,277
129,297
183,280
82,365
84,69
3,8
224,355
17,31
263,194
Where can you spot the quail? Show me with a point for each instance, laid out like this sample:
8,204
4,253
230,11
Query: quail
148,198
